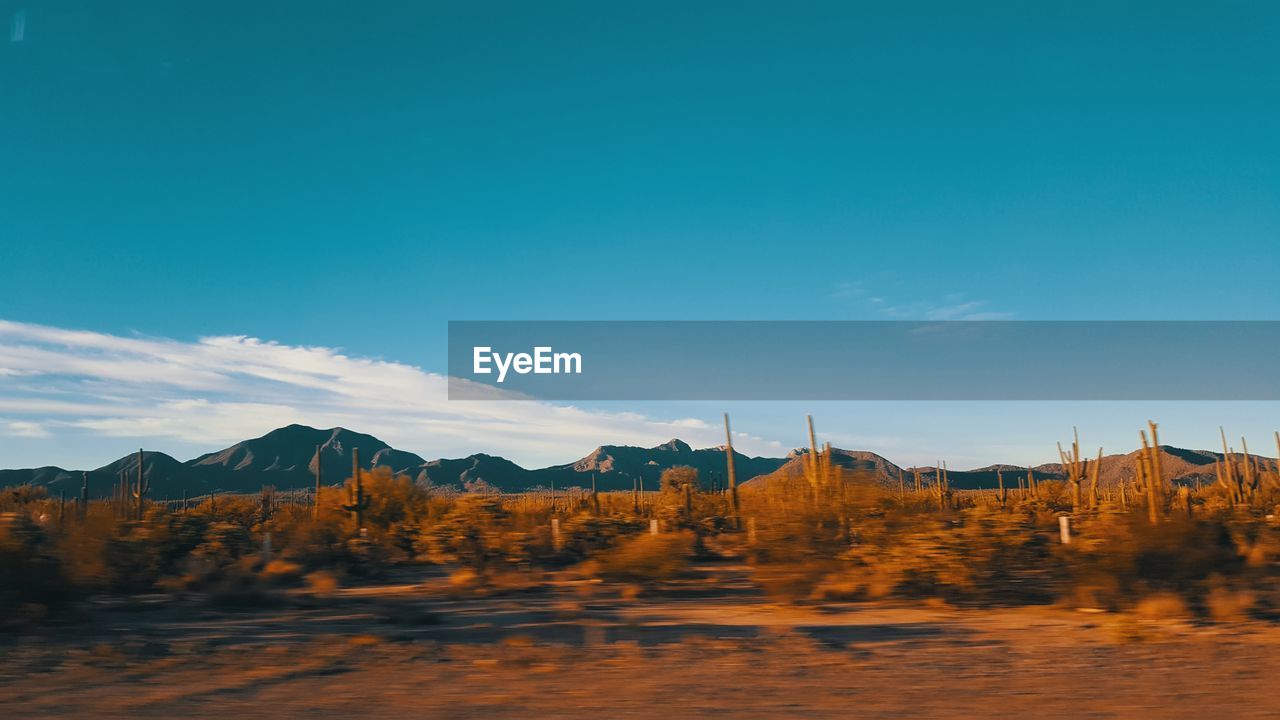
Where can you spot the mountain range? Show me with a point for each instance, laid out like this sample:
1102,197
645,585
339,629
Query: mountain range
286,458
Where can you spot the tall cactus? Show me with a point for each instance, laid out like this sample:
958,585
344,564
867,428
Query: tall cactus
733,478
1150,471
1094,500
1250,479
1229,474
357,500
1071,463
267,502
84,495
813,468
945,484
315,500
141,489
1077,469
1278,457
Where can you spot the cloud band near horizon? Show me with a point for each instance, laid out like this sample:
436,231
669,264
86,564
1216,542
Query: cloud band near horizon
62,383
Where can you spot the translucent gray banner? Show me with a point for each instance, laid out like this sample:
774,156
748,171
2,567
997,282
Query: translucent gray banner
863,360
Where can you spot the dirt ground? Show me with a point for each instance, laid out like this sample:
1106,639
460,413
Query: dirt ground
714,648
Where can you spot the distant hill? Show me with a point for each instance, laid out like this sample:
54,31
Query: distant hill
614,467
285,458
1177,464
496,471
870,464
167,476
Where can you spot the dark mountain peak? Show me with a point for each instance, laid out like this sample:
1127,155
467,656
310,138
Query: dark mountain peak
286,457
1002,467
151,460
496,471
675,445
858,461
599,460
293,447
1193,457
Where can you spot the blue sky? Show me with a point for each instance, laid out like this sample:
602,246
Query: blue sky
339,176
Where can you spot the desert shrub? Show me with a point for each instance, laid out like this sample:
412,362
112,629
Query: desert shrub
476,532
315,545
361,556
644,559
583,536
282,573
138,554
32,580
1121,559
241,584
975,557
241,510
225,545
675,479
393,499
24,499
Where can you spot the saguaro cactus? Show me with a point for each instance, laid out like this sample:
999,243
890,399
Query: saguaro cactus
120,496
733,479
1249,481
315,500
1278,457
1093,481
1076,469
141,489
812,467
1149,467
84,495
942,486
357,500
1071,464
267,502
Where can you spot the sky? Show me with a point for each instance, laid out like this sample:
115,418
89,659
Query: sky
273,199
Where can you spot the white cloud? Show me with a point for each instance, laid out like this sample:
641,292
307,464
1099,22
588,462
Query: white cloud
25,429
952,306
219,390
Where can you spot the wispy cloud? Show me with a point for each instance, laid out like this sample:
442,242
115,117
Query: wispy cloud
219,390
953,306
24,429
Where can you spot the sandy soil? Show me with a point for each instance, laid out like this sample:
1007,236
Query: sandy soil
719,649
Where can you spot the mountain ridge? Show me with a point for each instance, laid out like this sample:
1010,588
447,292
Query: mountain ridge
286,458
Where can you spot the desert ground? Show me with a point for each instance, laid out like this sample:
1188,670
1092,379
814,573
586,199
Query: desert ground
712,645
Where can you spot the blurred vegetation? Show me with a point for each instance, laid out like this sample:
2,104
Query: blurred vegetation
830,535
